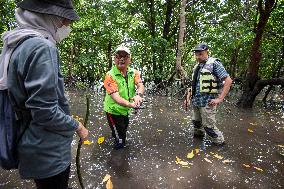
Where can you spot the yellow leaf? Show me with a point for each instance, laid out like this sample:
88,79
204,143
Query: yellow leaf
196,150
109,184
218,157
227,161
249,130
190,155
107,177
183,163
209,161
258,169
87,142
246,165
101,140
177,159
281,146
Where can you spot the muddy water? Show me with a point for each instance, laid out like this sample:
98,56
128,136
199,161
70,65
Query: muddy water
161,133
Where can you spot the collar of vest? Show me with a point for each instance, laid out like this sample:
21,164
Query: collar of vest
116,71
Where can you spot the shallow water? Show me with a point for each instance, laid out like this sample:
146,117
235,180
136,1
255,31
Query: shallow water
161,133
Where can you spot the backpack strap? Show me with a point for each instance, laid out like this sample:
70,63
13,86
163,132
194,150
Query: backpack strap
20,114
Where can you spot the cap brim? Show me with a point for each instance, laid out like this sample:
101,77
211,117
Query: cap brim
46,8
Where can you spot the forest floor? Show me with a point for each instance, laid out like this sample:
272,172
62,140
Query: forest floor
161,152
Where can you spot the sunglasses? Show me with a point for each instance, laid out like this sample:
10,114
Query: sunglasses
119,56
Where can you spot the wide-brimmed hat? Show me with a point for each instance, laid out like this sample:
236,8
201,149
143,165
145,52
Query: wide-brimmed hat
123,48
200,47
62,8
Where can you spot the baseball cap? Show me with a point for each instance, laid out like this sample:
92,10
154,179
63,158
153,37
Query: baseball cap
200,47
123,48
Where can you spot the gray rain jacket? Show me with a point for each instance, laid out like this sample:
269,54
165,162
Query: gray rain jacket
36,85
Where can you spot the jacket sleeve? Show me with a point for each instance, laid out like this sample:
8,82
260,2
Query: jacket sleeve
41,84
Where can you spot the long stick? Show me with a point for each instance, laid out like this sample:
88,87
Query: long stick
78,166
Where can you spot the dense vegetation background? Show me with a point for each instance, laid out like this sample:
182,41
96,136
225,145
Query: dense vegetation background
247,36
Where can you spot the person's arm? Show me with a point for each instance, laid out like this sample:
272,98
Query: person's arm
138,98
41,84
225,90
112,89
187,98
121,101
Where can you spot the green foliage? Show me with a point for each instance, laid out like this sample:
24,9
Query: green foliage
150,29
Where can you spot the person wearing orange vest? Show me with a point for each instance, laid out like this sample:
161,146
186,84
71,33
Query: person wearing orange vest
208,91
120,83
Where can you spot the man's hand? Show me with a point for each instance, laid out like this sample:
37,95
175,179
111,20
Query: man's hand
215,102
138,100
186,103
82,132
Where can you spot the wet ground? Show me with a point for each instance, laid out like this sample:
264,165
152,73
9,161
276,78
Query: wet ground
162,153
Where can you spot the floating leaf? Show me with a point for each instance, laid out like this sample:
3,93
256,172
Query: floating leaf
183,163
258,169
281,146
227,161
209,161
249,130
107,177
196,150
101,140
109,184
177,160
87,142
190,155
218,157
246,165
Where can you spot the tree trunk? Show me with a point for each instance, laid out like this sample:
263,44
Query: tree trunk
248,95
234,60
179,69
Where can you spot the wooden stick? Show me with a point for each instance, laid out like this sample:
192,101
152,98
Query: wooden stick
78,166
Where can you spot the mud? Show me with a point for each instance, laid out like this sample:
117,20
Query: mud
251,158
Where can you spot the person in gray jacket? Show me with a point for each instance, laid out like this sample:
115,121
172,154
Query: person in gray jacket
36,86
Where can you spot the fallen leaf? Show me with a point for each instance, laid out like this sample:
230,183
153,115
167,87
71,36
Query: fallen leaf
227,161
109,184
87,142
281,146
183,163
246,166
209,161
258,169
196,150
101,140
218,157
249,130
190,155
178,159
107,177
